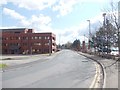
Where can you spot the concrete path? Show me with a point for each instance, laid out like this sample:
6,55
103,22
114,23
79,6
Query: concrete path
111,70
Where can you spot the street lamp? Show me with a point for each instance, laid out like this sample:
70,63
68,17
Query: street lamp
89,28
89,34
104,23
104,14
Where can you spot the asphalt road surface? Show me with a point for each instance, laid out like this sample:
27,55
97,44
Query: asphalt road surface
67,69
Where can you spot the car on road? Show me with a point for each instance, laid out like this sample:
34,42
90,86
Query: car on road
114,52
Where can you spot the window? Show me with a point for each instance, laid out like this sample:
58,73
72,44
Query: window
25,38
4,44
17,44
46,43
11,38
24,44
36,37
16,38
53,44
5,50
0,38
32,37
6,38
47,37
3,38
53,38
39,37
37,44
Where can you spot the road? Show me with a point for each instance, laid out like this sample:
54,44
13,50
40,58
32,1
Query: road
67,69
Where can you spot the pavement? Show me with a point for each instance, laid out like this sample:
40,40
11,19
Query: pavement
110,68
12,60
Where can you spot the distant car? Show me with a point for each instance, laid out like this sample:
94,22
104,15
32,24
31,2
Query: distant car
114,52
104,50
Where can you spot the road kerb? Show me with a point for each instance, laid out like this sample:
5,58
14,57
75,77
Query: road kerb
96,80
102,68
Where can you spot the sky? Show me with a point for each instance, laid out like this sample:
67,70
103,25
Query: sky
65,18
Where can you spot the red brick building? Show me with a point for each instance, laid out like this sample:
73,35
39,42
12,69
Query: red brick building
25,41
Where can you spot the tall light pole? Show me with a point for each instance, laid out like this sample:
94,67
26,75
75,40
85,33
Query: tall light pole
104,24
119,26
89,35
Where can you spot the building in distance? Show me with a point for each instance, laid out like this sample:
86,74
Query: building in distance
26,41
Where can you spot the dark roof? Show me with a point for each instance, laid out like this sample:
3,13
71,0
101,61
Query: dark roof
12,29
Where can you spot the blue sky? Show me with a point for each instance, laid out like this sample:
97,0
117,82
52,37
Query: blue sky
66,18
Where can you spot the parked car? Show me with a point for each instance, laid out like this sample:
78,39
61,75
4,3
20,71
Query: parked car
107,50
114,52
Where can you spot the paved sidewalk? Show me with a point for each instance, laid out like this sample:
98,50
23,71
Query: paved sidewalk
12,60
111,70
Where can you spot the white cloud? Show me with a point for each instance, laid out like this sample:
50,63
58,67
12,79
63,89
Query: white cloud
78,32
13,14
33,4
40,22
64,6
41,19
2,2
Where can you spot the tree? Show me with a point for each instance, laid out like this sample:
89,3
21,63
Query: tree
76,45
112,15
68,45
105,36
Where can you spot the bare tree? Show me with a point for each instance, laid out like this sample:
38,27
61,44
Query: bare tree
114,18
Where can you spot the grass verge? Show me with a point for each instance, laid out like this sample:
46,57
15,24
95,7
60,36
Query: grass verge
2,65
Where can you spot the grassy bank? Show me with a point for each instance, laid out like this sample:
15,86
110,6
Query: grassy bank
3,65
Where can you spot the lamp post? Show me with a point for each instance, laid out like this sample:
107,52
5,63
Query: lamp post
89,35
119,27
104,23
104,14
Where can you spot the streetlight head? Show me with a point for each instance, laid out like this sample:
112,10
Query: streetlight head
88,20
104,14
